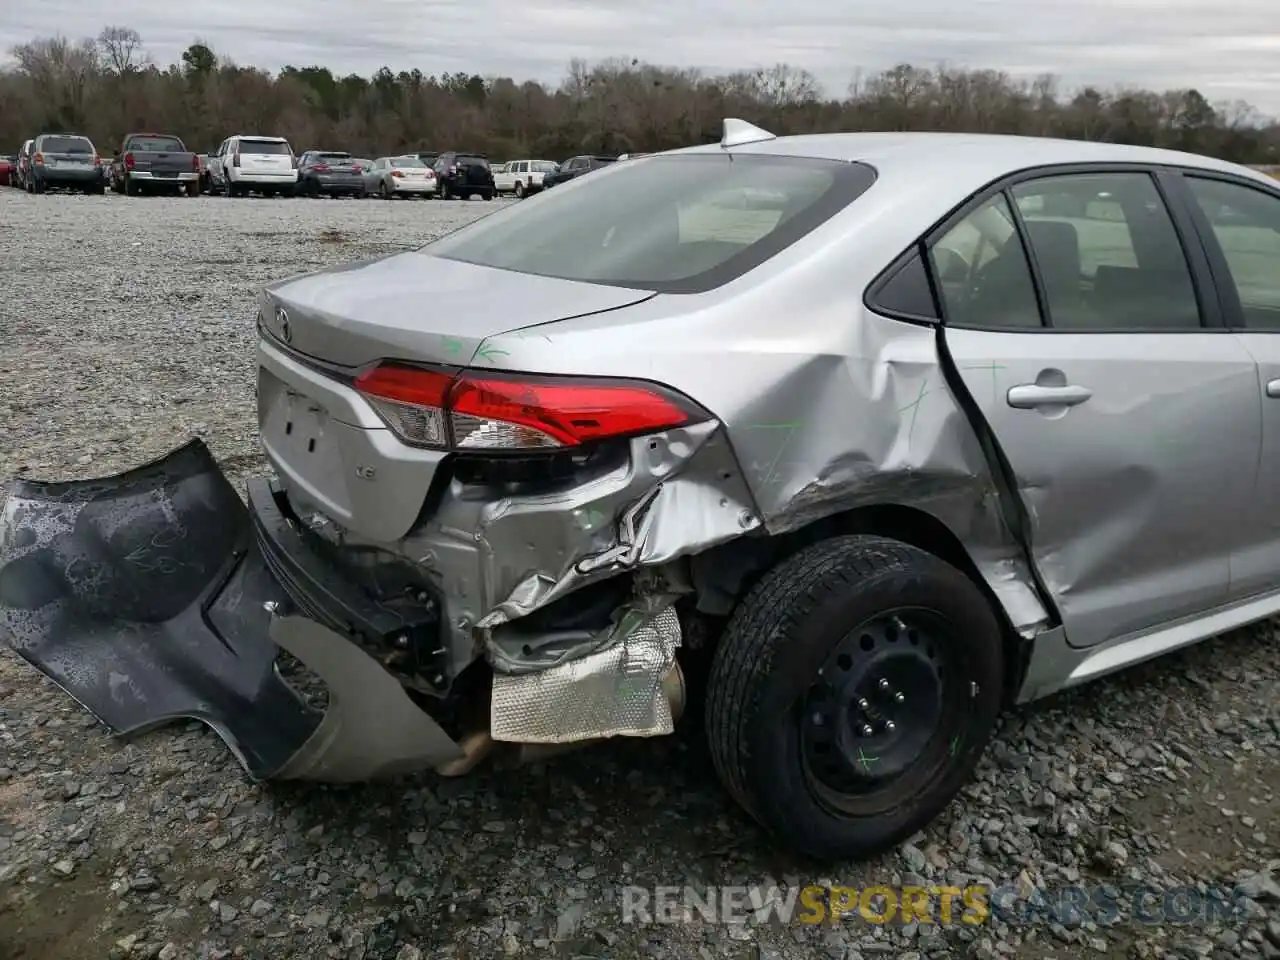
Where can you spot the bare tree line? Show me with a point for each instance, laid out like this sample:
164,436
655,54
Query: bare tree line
107,86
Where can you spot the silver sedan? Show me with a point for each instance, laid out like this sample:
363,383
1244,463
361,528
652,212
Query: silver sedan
400,177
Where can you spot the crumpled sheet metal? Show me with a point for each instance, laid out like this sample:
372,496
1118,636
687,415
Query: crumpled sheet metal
614,692
846,410
498,560
903,439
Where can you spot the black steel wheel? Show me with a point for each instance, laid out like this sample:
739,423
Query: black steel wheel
852,694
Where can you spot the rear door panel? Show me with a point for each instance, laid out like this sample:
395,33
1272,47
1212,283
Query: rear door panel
1132,452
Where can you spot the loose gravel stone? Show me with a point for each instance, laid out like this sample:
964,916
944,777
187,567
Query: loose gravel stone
127,326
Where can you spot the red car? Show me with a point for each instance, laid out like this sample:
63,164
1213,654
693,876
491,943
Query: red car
8,167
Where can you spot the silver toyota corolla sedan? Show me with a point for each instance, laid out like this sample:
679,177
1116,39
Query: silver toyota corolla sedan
888,431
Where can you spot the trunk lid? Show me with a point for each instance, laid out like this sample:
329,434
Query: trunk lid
323,440
413,306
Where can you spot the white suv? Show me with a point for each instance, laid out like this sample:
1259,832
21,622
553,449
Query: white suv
522,177
246,163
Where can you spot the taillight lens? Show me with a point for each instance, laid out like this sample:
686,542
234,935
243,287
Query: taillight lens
321,168
195,163
235,159
493,412
38,158
396,173
128,161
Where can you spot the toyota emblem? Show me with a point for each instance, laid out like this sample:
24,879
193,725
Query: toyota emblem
282,321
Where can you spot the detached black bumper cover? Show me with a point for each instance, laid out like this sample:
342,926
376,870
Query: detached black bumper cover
146,598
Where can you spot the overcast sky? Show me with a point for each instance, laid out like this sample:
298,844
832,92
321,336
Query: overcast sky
1228,51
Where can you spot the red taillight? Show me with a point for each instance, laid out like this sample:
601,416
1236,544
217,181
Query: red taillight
38,158
357,169
97,160
128,161
195,163
321,168
431,174
498,412
235,159
396,173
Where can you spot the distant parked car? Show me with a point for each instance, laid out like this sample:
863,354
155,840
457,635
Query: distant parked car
23,169
575,167
404,176
429,157
330,173
8,170
66,161
153,161
243,164
522,177
464,175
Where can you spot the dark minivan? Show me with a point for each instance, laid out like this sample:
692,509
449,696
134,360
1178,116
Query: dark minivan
65,160
464,175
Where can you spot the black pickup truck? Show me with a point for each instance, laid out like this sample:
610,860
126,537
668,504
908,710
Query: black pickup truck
154,161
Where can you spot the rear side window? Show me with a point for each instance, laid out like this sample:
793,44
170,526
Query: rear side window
66,145
269,147
155,145
677,224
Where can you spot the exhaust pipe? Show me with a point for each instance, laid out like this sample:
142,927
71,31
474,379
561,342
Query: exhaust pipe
478,745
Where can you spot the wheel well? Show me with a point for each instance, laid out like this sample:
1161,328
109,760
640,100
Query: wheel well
725,573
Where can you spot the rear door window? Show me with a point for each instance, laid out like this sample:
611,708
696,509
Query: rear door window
272,148
679,224
1108,254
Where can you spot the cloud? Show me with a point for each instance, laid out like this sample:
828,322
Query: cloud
1227,53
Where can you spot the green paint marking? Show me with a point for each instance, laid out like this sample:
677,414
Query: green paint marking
865,762
914,407
488,353
452,344
993,367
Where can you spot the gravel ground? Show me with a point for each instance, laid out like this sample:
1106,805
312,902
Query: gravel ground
127,326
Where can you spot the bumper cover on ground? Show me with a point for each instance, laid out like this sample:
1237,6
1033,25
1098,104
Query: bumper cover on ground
146,598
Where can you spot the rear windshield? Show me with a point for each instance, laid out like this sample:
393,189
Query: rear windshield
407,162
66,145
272,147
155,145
335,157
677,224
472,161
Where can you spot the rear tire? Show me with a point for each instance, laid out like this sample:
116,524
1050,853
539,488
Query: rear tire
193,189
519,191
825,648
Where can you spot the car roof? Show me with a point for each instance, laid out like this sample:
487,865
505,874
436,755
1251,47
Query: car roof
937,153
254,136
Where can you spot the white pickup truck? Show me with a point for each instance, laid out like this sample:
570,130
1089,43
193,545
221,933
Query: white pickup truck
521,177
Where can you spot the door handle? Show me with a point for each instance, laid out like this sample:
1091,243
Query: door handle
1028,396
1273,389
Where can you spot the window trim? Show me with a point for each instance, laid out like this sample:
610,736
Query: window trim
1229,299
1203,280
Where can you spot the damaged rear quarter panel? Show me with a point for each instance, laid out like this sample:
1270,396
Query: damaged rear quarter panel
827,406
